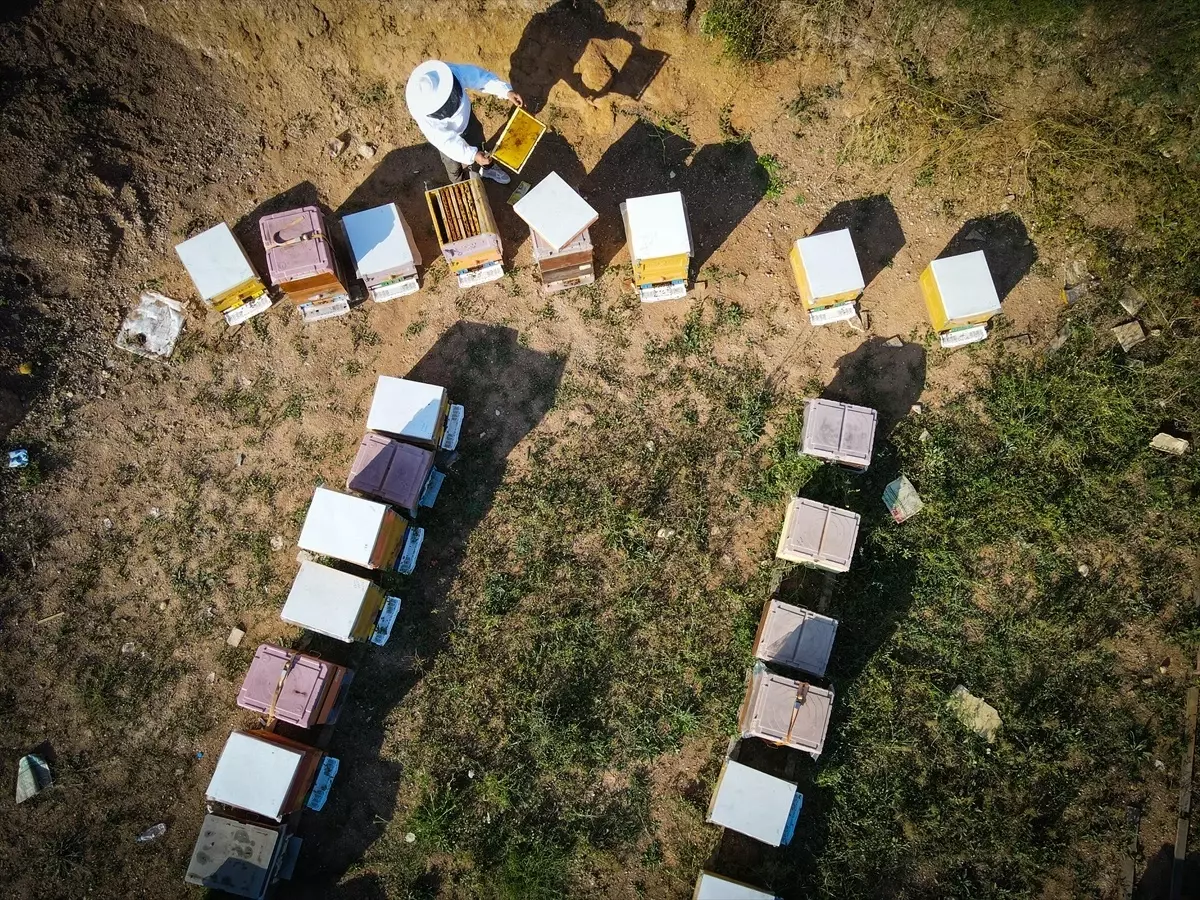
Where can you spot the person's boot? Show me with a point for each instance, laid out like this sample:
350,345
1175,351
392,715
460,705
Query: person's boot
496,174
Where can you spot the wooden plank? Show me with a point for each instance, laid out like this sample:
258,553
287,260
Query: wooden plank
1185,788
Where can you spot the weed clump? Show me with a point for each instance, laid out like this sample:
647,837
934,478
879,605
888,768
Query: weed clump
753,30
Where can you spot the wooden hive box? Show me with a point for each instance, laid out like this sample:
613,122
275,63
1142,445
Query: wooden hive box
292,687
264,774
660,244
839,432
358,531
717,887
242,859
466,230
795,637
826,269
959,292
786,712
818,534
385,254
334,603
223,274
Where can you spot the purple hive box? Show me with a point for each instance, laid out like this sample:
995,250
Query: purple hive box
390,470
296,244
302,688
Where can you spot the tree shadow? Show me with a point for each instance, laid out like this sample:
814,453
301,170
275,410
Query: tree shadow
507,389
1006,245
723,183
874,229
554,47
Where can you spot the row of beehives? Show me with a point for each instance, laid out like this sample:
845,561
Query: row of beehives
782,705
959,292
265,777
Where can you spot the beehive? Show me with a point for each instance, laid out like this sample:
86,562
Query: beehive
818,534
795,637
786,712
263,773
572,266
717,887
558,220
392,471
337,604
242,859
356,530
826,269
223,275
385,254
959,291
292,687
303,264
840,432
755,804
660,244
466,230
415,412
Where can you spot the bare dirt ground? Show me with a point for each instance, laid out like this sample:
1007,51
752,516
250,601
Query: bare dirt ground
146,531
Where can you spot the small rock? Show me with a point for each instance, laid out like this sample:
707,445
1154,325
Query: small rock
235,637
974,235
277,542
304,556
672,173
366,151
128,648
162,606
916,409
178,772
1084,570
924,435
650,446
893,342
335,147
155,512
410,838
1160,765
1131,301
1059,341
239,459
1129,335
666,533
108,524
212,677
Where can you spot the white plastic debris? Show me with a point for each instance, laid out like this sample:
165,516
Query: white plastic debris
973,712
1166,443
153,833
902,499
33,777
152,326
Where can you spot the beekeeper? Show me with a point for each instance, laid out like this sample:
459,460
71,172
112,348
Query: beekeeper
437,98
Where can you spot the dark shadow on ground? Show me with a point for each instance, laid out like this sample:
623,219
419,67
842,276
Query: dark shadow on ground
1005,243
874,229
887,379
554,48
486,369
721,183
868,602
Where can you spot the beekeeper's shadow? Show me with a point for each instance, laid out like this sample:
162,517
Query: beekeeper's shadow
554,48
506,388
721,184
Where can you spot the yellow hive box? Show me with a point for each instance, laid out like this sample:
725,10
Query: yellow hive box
826,269
664,268
239,295
959,291
516,142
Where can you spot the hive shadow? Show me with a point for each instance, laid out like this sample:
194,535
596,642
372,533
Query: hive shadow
874,229
1006,245
507,389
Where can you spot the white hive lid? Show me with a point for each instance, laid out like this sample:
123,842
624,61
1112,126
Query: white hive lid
325,600
342,526
405,408
796,637
555,211
254,775
378,239
657,226
215,261
965,283
830,263
839,431
819,532
752,803
714,887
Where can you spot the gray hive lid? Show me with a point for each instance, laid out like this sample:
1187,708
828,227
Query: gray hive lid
840,432
795,637
788,712
819,534
234,857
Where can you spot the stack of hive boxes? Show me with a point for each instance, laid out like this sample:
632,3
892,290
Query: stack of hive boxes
466,231
241,858
385,254
828,276
223,275
961,297
660,245
558,220
303,264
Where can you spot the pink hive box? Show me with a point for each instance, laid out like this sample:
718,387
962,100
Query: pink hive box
390,470
296,244
306,692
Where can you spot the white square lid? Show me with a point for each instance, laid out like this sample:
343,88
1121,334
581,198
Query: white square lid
325,600
405,408
965,283
819,533
839,431
342,526
752,803
215,261
254,775
714,887
555,211
657,226
378,239
796,637
830,263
